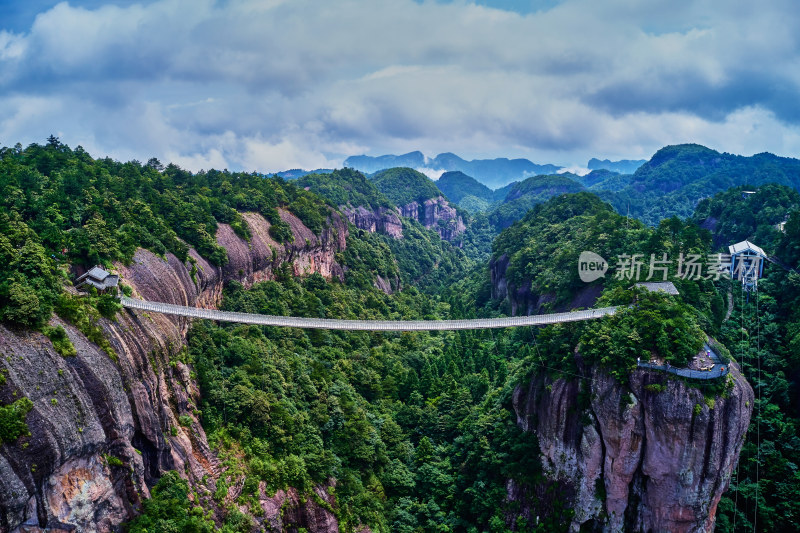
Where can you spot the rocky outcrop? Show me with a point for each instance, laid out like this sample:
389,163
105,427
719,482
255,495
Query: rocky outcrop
437,214
380,220
289,508
524,301
632,458
103,429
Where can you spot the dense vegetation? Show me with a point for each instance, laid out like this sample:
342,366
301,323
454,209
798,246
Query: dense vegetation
405,185
416,428
345,187
61,207
525,194
763,334
660,327
734,215
423,259
457,186
677,177
169,510
543,248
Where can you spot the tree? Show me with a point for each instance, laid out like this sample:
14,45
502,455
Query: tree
23,305
155,164
53,142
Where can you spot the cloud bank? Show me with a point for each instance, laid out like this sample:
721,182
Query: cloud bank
272,84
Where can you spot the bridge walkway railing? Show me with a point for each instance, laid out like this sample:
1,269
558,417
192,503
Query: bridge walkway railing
367,325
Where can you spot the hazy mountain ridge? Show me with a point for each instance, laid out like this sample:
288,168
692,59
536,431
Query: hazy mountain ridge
623,166
491,172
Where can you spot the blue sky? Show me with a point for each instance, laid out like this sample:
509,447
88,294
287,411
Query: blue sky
274,84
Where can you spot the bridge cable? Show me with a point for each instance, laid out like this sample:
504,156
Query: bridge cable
758,419
741,362
748,354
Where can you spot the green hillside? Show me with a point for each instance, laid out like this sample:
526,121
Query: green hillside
596,176
345,186
60,207
498,195
405,185
526,194
734,216
457,185
677,177
763,334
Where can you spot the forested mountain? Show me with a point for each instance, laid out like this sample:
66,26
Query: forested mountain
172,425
371,165
753,213
525,194
405,185
501,193
677,177
763,334
670,184
456,185
596,177
345,187
624,166
296,173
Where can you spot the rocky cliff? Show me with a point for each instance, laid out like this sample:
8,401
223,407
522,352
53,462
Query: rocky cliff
651,456
437,214
103,429
380,220
523,301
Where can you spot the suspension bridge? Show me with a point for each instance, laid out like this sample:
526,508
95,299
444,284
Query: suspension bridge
367,325
719,369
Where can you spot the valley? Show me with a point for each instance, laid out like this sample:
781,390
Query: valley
171,422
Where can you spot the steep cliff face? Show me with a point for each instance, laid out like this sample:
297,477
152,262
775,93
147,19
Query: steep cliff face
437,214
380,220
102,430
523,301
632,458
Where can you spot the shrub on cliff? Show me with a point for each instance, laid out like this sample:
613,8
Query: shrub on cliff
656,324
12,420
169,510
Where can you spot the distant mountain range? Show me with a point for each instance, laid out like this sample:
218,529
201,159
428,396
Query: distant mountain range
493,173
624,166
669,184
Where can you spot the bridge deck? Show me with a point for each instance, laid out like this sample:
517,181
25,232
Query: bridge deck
408,325
367,325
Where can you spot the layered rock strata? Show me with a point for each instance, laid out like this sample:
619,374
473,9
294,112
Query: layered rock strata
649,456
103,429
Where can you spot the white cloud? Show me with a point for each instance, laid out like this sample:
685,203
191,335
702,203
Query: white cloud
250,84
12,46
431,173
580,171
